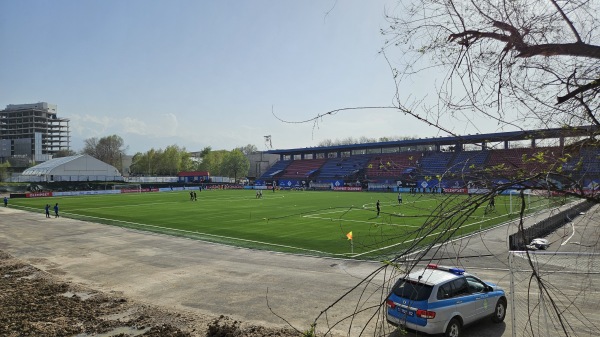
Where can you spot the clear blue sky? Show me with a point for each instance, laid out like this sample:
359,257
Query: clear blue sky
203,73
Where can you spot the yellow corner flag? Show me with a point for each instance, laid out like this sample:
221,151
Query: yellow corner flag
349,235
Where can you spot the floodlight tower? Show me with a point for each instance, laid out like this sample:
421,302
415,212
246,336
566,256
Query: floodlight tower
268,143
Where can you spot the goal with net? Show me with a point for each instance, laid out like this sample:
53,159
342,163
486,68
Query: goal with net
128,188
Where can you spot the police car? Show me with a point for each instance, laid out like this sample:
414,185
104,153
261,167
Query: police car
441,300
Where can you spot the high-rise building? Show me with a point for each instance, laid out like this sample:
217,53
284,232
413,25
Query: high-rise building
32,131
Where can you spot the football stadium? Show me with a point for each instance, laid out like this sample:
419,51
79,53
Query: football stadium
362,201
436,168
343,217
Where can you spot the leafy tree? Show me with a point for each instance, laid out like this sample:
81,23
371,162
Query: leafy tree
4,170
173,160
110,149
235,164
138,162
64,153
212,162
205,151
167,162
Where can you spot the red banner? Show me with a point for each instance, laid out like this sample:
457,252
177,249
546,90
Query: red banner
38,194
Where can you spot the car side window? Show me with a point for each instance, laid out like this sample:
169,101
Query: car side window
460,286
475,285
445,291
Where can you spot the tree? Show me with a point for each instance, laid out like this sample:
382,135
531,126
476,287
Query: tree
235,163
110,149
4,170
172,160
167,162
211,162
64,153
205,151
361,140
326,142
522,63
248,149
138,163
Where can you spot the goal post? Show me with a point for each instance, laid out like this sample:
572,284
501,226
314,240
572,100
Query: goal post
128,187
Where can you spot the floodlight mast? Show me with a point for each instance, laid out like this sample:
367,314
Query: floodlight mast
268,143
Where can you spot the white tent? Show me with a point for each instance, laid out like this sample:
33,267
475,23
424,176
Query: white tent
74,168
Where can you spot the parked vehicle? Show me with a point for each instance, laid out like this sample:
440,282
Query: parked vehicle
442,300
542,244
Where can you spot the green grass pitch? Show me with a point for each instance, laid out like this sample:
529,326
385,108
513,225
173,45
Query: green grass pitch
305,222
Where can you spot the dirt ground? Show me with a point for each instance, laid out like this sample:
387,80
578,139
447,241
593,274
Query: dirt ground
35,303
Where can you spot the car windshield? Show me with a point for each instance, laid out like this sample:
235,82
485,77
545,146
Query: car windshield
412,290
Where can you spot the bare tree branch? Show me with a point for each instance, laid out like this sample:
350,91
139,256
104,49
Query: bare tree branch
592,85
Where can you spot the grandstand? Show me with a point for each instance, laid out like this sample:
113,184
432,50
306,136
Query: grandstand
301,169
449,162
466,161
276,170
392,165
436,163
591,160
585,160
346,168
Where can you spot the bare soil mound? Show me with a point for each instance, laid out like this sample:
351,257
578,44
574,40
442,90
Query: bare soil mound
35,303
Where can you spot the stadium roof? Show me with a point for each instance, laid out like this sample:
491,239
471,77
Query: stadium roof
452,140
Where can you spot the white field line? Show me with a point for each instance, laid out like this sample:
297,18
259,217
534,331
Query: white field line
199,201
395,203
206,234
316,216
125,206
437,233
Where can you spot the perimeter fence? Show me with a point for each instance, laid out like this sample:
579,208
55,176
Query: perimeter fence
554,294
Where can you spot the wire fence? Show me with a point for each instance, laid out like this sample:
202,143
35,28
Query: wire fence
554,294
521,239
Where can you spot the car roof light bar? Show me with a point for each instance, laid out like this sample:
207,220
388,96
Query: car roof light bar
452,270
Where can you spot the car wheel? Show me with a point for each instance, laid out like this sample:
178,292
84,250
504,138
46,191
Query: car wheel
453,329
499,311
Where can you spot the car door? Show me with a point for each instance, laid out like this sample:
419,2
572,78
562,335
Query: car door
466,302
481,299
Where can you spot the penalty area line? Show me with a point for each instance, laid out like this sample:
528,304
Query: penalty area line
359,221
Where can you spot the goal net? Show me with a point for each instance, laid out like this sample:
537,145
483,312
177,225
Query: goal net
128,187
